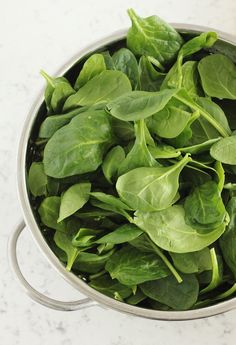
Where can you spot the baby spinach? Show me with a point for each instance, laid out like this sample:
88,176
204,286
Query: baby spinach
150,78
218,76
124,233
179,297
204,207
172,232
56,92
37,179
112,161
137,105
125,61
85,149
151,36
73,199
224,150
139,155
150,189
132,267
93,66
194,262
131,172
104,87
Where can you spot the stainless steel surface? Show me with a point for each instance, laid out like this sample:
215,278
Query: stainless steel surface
29,290
35,231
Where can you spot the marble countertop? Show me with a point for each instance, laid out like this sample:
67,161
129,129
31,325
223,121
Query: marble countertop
45,34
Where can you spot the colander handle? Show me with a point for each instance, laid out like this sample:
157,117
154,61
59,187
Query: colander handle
29,290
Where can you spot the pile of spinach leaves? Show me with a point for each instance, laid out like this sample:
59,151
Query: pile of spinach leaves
133,176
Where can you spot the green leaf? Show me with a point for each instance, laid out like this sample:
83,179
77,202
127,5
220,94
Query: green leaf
199,148
218,76
125,61
63,241
172,233
163,151
170,121
150,78
56,92
104,87
151,36
195,262
49,212
204,207
110,199
132,267
91,263
224,150
137,105
139,155
83,152
52,123
110,287
136,298
85,237
111,163
191,78
37,179
228,239
73,199
150,189
92,67
168,291
124,233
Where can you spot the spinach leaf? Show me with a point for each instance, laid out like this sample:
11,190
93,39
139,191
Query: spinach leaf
172,232
85,237
170,121
137,105
63,241
73,199
150,78
56,92
110,199
37,179
199,148
194,262
54,122
125,61
150,189
93,66
112,207
90,262
85,149
123,130
111,163
228,239
224,150
49,213
136,298
168,291
124,233
132,267
151,36
104,87
139,155
204,207
110,287
218,76
190,78
163,151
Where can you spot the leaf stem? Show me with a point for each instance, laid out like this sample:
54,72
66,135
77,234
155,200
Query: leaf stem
215,279
166,261
204,113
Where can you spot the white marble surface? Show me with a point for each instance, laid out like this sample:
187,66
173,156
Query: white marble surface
44,34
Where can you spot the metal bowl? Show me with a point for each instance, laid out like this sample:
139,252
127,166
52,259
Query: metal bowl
226,44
